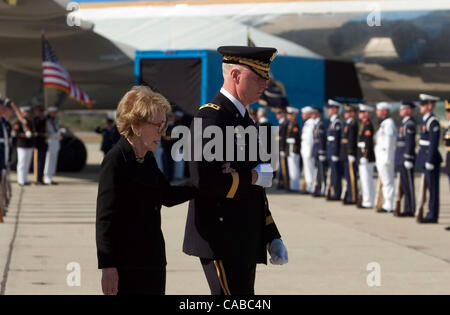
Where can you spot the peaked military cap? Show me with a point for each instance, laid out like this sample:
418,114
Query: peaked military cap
258,59
308,110
407,104
384,105
350,108
333,103
425,98
365,108
292,110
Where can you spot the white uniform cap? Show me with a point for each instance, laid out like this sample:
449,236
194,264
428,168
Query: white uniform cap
308,110
384,105
24,109
52,109
333,103
291,110
426,97
365,108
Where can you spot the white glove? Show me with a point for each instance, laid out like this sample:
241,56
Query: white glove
322,158
408,165
351,158
335,158
265,175
429,166
278,252
282,153
363,161
28,134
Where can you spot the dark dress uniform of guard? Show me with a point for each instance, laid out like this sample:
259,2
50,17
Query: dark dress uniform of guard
405,156
366,157
447,143
348,151
429,159
229,225
293,142
40,144
319,151
334,134
283,176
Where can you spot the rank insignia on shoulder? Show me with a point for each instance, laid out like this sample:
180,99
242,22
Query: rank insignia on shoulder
210,105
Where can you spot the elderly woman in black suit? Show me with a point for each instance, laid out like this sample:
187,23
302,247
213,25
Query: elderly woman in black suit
130,243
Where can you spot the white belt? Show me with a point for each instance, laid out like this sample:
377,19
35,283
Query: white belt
290,140
401,144
361,145
424,143
330,138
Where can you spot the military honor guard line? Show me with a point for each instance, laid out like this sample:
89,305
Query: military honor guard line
349,150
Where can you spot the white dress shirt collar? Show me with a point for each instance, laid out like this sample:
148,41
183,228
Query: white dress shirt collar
333,118
426,116
241,108
406,119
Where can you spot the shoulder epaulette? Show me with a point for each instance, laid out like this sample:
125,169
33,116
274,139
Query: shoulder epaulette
210,105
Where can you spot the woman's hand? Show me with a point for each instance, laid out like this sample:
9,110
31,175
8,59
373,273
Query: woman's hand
226,168
110,281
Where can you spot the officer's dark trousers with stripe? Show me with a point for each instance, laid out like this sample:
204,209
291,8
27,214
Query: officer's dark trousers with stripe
336,179
432,180
407,179
352,187
229,278
319,189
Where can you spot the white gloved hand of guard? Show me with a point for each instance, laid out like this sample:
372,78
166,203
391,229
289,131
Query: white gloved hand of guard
278,252
282,153
28,134
351,158
408,165
265,175
429,166
335,158
322,158
364,161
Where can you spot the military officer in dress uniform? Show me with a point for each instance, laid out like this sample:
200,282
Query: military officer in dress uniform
293,149
54,145
429,159
23,130
447,141
229,225
366,157
307,143
334,134
283,173
40,144
384,155
349,145
319,153
447,145
405,156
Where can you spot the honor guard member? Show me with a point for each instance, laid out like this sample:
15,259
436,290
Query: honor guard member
447,141
229,225
349,145
40,144
384,155
283,174
54,138
334,134
307,143
405,155
23,129
366,157
293,149
319,153
429,159
5,112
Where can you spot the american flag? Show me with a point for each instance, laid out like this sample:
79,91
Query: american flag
55,76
